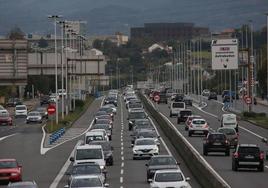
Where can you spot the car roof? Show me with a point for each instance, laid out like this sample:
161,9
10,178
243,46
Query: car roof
248,145
159,156
23,183
21,105
199,119
145,139
86,146
86,164
220,128
85,176
169,170
2,160
90,133
225,115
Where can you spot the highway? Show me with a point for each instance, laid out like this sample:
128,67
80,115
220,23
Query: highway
49,170
248,133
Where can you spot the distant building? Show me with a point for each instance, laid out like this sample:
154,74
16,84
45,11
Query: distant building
118,39
168,31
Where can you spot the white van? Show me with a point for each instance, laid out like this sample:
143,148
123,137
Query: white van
94,136
21,110
176,107
229,120
89,154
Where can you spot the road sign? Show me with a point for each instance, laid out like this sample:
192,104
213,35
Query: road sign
248,100
156,98
224,54
51,109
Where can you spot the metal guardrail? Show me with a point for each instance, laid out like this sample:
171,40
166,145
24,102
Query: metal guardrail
56,135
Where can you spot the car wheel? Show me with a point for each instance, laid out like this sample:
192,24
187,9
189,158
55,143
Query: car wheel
205,152
134,158
186,128
261,168
234,166
178,122
227,153
190,133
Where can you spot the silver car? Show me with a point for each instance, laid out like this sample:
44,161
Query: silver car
34,117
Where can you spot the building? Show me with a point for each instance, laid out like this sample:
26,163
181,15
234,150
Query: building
168,31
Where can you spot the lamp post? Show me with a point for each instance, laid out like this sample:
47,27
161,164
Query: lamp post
267,54
55,18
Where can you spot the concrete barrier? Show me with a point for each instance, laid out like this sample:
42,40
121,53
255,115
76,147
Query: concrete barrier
199,167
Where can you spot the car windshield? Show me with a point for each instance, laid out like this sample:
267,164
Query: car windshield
199,122
136,105
178,105
168,177
251,150
227,131
137,115
162,161
86,169
8,164
5,114
145,142
150,134
102,121
20,108
217,136
86,182
83,154
108,110
99,113
104,117
101,126
93,137
33,114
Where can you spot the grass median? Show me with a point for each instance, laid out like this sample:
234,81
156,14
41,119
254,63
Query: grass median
81,107
259,119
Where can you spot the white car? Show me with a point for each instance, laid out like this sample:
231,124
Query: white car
205,92
86,181
175,108
94,136
62,92
20,110
229,120
198,126
112,106
34,116
3,110
169,178
145,147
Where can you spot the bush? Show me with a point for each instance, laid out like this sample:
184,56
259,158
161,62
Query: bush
79,103
253,114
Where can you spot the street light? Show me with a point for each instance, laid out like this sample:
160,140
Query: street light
267,54
54,18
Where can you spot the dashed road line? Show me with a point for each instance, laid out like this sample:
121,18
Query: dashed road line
5,137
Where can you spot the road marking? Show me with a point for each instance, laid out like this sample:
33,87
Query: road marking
5,137
122,171
64,168
122,164
44,150
121,179
266,166
122,153
122,143
122,158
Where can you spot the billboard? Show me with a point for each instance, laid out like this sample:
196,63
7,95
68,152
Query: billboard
224,54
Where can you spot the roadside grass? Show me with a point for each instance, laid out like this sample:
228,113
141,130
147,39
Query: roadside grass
259,119
68,120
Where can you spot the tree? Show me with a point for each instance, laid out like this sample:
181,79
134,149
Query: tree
16,34
97,44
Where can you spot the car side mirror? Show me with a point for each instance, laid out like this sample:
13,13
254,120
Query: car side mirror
106,185
150,180
66,186
146,164
72,159
187,179
132,145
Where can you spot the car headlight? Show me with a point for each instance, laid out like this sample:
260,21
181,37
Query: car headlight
131,122
135,151
102,167
14,174
45,113
155,150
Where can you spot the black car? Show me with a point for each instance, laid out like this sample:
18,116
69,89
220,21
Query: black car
188,101
107,151
45,99
12,102
183,115
248,156
212,95
133,116
163,98
160,162
179,98
216,142
110,100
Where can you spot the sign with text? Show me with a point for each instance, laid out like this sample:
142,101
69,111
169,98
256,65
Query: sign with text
224,54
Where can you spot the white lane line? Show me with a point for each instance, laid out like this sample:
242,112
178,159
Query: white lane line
5,137
121,187
122,164
122,143
266,166
121,179
122,148
43,150
122,153
122,158
63,169
122,171
164,144
200,109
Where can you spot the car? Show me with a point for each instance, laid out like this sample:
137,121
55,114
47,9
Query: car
108,110
248,156
145,133
205,92
2,109
163,98
10,170
188,101
178,97
92,136
20,110
107,117
189,120
133,116
86,181
86,169
160,162
44,99
229,120
12,102
231,135
142,124
34,117
54,96
106,126
144,147
23,184
212,95
235,95
107,150
183,115
105,121
43,112
175,108
110,100
216,142
169,178
135,106
6,119
112,106
198,126
89,154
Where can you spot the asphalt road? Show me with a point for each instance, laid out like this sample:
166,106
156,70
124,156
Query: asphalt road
248,134
49,170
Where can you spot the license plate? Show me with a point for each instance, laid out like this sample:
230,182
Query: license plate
249,157
216,144
4,178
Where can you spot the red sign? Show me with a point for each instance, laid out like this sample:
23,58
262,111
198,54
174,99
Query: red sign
51,109
156,98
248,100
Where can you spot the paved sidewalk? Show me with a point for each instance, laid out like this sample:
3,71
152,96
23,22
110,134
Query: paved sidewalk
79,126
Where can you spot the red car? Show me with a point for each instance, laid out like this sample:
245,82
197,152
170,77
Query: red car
10,170
6,119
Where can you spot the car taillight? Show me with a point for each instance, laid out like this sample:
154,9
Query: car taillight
205,126
226,142
191,125
261,155
236,155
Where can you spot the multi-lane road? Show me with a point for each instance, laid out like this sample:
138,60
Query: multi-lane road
49,170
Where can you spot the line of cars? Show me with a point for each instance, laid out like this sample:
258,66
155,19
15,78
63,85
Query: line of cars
95,153
223,139
162,170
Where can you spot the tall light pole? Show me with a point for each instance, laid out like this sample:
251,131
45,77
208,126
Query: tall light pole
267,54
252,60
55,18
